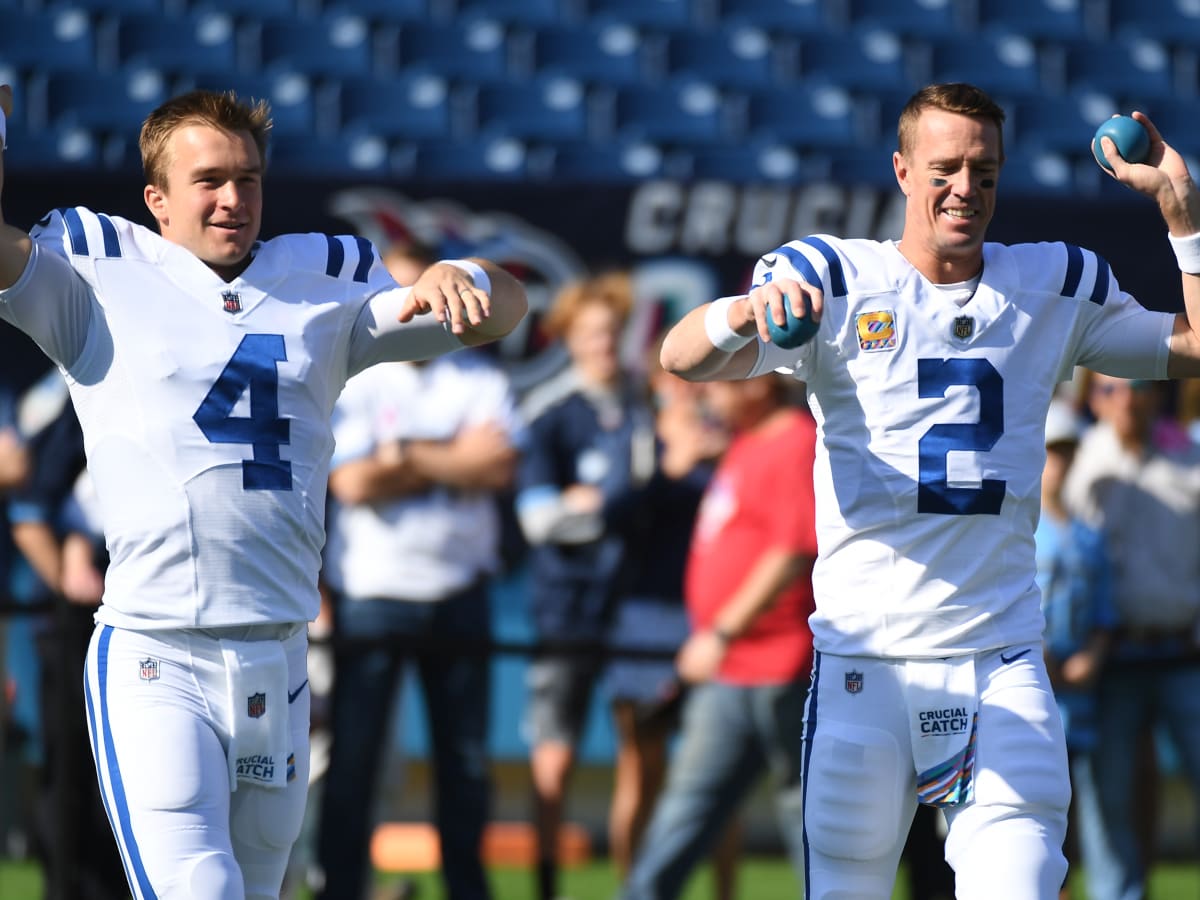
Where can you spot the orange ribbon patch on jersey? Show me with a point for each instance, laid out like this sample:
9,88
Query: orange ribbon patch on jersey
876,330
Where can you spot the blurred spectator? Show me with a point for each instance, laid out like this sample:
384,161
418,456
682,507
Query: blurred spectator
749,655
1143,493
56,528
412,541
591,447
650,617
1075,579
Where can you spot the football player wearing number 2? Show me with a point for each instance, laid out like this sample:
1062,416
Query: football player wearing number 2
930,376
204,365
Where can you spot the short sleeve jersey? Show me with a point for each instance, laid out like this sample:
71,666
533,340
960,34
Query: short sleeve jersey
931,421
206,405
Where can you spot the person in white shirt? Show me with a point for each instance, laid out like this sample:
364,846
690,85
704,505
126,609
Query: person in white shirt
204,365
422,451
930,375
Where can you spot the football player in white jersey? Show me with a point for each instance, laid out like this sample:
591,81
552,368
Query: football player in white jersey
930,375
204,365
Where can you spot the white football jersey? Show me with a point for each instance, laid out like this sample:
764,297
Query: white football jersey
206,405
931,422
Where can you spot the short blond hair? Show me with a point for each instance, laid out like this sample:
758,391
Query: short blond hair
224,111
955,97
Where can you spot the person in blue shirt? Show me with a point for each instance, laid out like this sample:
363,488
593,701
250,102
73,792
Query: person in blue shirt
1075,578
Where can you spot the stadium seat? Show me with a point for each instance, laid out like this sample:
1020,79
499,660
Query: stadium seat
335,45
66,147
102,9
653,13
291,95
748,163
547,108
1001,62
869,165
779,16
382,11
1039,173
408,106
517,12
601,53
186,44
475,49
734,56
110,102
1063,123
919,18
1124,66
1057,20
250,9
1169,20
347,154
482,159
821,116
859,59
1177,122
682,111
610,162
60,40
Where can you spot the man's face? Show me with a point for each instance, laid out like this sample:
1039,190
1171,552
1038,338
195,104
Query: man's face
212,201
949,176
1129,407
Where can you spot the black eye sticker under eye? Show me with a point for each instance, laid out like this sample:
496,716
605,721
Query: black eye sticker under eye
987,182
938,182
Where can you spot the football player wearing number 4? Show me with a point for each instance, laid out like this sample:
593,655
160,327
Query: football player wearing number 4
204,366
930,376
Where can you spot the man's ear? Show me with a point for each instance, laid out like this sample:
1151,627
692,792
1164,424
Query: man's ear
900,166
156,202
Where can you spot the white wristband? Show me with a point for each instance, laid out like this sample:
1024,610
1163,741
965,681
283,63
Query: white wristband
1187,252
478,275
3,131
716,326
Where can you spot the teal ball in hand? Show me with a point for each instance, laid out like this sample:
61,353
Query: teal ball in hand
794,333
1132,140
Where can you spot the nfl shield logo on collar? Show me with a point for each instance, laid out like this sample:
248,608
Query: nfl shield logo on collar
148,669
854,682
964,327
231,302
256,705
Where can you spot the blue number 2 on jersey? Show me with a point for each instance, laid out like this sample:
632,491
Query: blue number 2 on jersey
251,368
934,494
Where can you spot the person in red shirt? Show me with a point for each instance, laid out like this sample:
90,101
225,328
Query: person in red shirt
748,657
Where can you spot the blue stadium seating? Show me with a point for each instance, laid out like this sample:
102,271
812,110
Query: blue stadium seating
748,162
860,59
111,102
1040,19
56,147
681,111
601,53
611,162
247,9
383,11
291,95
795,17
346,154
191,43
654,13
1177,121
1040,173
1063,123
406,106
1003,63
52,40
517,12
820,116
481,159
865,166
1174,21
1125,66
335,45
921,18
736,56
547,108
476,49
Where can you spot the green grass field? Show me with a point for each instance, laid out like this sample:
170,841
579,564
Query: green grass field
760,878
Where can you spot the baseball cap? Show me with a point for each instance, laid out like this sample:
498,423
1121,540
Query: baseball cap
1062,423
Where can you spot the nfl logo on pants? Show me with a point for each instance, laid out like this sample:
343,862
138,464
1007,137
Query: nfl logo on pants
854,682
